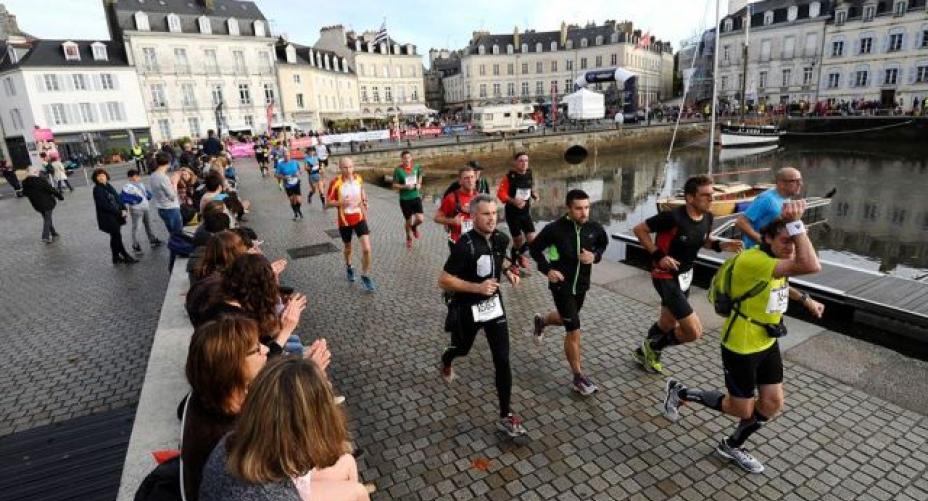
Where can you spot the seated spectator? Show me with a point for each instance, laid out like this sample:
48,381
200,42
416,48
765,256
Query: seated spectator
206,277
188,192
214,221
288,443
213,189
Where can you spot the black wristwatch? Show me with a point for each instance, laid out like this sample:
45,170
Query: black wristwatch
803,297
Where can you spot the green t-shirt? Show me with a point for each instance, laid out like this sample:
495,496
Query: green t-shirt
412,179
753,266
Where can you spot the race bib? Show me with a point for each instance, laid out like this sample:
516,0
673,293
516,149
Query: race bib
779,300
467,225
489,309
292,181
351,194
411,181
685,279
524,193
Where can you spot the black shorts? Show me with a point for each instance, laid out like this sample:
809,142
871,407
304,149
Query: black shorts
293,191
410,207
672,297
324,162
568,307
519,222
359,229
261,159
743,373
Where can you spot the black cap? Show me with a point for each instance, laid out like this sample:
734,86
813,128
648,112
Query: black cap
474,165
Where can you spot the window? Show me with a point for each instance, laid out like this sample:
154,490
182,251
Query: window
807,75
216,94
860,78
375,92
895,42
525,68
811,48
553,66
613,59
726,53
9,87
866,44
837,48
212,64
584,42
58,115
86,111
762,79
205,27
599,61
265,58
834,80
17,118
840,17
924,39
553,86
553,46
511,89
539,47
727,25
569,65
890,76
415,93
599,39
51,83
582,63
768,18
765,50
495,49
232,24
483,70
189,95
80,83
815,8
388,94
510,69
363,93
483,90
870,211
259,29
789,47
570,44
141,21
239,58
149,59
787,76
481,50
921,74
495,70
792,13
180,60
193,123
524,88
567,86
244,94
539,67
496,90
869,12
71,52
165,127
724,82
899,8
106,81
114,110
539,88
173,23
99,51
158,100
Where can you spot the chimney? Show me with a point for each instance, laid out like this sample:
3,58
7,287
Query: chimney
563,33
209,5
516,38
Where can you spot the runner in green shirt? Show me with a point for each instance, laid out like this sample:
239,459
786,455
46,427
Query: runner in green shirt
407,178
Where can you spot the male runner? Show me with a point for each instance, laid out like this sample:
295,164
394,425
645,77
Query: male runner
287,172
565,251
407,178
453,212
681,232
322,151
750,351
472,274
315,176
482,186
347,194
766,207
261,153
516,191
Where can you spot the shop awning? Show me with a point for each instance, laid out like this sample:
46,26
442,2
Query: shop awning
416,109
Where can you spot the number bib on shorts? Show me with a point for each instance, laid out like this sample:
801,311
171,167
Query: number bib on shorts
291,181
489,309
779,300
685,279
524,193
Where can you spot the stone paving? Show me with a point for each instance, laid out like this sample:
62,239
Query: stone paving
75,330
427,440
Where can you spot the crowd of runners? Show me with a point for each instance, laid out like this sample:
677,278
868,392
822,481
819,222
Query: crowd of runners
753,292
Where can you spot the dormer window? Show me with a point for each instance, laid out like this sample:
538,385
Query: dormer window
509,49
396,48
792,13
570,44
141,21
553,46
768,18
173,23
583,42
14,58
383,48
614,38
481,50
344,65
357,46
815,9
99,51
291,54
71,52
599,39
232,23
205,27
869,12
539,47
495,49
728,25
524,48
899,8
840,17
259,29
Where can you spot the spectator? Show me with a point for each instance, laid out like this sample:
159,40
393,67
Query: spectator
111,215
135,195
212,146
10,175
189,158
206,277
42,197
164,195
59,174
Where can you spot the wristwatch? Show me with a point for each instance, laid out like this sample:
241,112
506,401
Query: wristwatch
803,297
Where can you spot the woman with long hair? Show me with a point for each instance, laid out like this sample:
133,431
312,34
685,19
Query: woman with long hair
288,443
111,215
221,250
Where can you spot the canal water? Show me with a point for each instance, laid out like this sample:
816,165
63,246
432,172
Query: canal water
878,219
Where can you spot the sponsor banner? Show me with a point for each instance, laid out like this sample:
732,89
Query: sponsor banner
421,132
302,142
451,129
239,150
372,135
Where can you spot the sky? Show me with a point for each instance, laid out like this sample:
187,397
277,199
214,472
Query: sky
424,23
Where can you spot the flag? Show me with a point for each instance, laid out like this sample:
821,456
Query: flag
270,116
382,34
644,42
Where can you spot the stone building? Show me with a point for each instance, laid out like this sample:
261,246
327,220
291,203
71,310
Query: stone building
315,86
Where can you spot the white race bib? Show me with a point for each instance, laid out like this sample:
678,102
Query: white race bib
489,309
292,180
523,193
411,181
467,225
779,300
685,279
351,194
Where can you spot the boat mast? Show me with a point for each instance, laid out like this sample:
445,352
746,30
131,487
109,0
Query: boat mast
715,73
744,62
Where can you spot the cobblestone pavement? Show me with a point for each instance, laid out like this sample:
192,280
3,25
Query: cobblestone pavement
75,330
423,436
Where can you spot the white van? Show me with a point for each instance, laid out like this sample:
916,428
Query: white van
505,118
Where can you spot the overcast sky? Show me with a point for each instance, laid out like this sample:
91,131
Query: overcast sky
425,23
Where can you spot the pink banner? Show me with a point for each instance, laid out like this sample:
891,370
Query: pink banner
239,150
421,132
42,134
302,142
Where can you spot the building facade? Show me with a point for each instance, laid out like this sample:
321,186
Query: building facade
442,64
84,91
192,56
534,66
316,86
390,74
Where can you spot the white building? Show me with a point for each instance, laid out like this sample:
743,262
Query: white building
192,55
315,86
84,91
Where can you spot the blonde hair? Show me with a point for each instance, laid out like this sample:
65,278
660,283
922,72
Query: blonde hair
289,424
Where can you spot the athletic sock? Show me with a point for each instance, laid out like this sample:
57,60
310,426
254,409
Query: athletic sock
745,429
299,209
710,398
665,339
322,198
309,198
296,212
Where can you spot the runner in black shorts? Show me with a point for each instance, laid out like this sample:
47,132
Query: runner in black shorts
517,192
407,179
565,251
261,151
681,232
750,351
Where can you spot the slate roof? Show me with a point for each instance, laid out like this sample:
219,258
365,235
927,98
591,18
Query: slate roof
43,53
189,11
574,34
302,55
779,8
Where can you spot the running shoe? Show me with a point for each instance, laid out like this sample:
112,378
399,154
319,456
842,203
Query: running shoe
584,386
511,425
672,402
539,329
447,373
349,273
737,454
368,283
409,244
524,262
652,358
415,232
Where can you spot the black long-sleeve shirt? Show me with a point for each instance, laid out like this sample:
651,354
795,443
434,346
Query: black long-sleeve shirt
558,246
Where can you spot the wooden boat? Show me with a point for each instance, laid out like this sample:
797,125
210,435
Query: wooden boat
728,198
733,136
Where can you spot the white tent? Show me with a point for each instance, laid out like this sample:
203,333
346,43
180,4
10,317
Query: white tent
585,105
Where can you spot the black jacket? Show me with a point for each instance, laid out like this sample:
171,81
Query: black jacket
40,193
109,208
557,247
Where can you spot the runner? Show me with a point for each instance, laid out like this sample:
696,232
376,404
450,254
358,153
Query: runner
453,212
277,154
681,232
472,274
322,151
288,173
261,153
516,191
347,194
766,207
750,351
407,178
565,251
315,176
482,185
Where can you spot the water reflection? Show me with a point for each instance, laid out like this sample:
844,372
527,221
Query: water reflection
878,219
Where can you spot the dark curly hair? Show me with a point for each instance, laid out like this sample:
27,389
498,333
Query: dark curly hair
250,281
221,250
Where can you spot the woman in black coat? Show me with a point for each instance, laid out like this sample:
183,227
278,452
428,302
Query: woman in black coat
42,197
111,215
